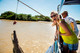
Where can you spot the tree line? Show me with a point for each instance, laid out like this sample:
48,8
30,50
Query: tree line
77,21
26,17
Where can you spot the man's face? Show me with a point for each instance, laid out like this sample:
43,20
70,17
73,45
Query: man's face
64,15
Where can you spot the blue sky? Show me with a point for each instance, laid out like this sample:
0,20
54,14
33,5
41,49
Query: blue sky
43,6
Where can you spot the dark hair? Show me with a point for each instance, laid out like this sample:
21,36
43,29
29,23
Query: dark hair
60,16
65,12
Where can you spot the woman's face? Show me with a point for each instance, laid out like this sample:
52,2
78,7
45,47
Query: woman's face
54,18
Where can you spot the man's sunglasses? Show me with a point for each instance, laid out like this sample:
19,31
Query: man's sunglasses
53,16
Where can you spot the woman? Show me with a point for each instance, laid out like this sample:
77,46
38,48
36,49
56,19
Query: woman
70,41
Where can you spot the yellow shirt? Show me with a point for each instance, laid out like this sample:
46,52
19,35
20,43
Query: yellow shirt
72,39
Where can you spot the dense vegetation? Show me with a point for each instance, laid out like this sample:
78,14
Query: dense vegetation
77,21
26,17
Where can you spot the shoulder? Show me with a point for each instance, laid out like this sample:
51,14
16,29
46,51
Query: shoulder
71,19
62,21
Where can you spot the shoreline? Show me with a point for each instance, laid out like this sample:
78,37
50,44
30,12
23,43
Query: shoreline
31,21
25,21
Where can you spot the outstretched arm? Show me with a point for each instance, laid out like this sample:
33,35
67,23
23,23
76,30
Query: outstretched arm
72,25
65,28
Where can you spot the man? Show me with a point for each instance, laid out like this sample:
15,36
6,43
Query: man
70,21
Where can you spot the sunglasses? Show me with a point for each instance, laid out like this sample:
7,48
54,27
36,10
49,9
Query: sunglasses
54,19
53,16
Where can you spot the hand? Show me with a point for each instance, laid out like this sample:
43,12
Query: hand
58,32
54,23
55,39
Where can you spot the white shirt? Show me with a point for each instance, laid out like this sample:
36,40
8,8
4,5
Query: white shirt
69,20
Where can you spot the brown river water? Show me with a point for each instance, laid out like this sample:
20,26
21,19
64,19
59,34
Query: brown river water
33,37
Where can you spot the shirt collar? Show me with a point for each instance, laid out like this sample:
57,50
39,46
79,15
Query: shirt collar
66,17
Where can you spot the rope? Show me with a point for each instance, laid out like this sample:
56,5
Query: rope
16,9
16,14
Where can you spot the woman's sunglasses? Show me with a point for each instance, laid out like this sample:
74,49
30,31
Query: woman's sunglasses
53,16
54,19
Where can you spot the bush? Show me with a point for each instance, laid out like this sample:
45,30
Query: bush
77,21
47,18
0,17
8,15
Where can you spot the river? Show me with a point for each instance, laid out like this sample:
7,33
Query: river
33,37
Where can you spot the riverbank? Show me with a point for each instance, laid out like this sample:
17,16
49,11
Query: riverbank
24,21
35,21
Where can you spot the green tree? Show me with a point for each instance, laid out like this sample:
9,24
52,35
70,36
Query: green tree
41,18
36,17
0,17
22,17
8,15
29,18
77,21
47,18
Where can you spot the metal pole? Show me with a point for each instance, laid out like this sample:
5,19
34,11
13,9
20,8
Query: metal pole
30,7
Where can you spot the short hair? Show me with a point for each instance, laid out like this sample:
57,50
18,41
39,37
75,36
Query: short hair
65,12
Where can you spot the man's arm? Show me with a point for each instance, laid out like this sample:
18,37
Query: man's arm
72,25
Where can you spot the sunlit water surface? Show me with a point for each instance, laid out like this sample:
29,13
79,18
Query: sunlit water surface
33,37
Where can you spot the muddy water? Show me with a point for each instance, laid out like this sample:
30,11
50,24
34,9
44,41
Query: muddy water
33,37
